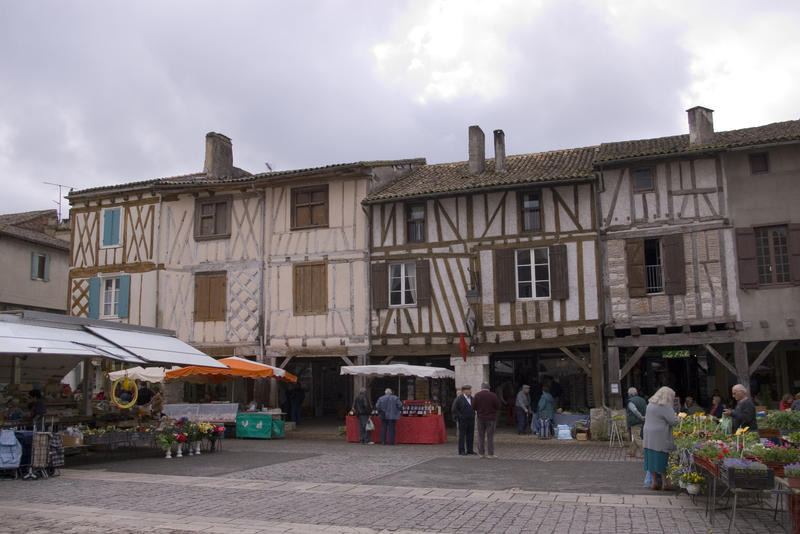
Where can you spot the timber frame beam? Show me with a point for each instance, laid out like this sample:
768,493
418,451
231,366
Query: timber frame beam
632,361
721,359
580,361
668,340
763,356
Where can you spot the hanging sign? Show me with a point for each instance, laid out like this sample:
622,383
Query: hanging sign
678,353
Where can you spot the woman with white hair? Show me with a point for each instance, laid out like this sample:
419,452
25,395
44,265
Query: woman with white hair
658,440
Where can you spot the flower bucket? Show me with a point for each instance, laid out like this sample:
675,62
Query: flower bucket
794,482
682,484
693,489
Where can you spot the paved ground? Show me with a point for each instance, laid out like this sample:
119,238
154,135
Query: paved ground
303,485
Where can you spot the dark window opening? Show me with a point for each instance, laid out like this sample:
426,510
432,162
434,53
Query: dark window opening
531,211
415,218
652,265
759,163
772,255
643,180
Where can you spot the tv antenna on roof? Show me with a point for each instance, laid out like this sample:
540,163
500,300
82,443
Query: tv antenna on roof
59,196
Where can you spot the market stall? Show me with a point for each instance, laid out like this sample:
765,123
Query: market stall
422,421
263,425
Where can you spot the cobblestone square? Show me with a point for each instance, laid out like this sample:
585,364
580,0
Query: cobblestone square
307,485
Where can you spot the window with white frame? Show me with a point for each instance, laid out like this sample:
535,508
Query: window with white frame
111,227
40,266
533,273
402,284
110,297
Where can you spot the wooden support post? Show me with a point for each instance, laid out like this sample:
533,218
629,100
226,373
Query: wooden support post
596,357
285,362
742,367
763,356
387,360
614,398
347,360
633,361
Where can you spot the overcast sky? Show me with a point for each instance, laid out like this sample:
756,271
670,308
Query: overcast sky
98,92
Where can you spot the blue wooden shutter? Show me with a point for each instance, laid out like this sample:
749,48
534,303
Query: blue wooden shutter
108,218
47,267
124,295
34,266
94,297
115,226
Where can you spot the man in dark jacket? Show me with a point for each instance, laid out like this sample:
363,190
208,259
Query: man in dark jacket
635,412
464,416
486,405
363,410
745,412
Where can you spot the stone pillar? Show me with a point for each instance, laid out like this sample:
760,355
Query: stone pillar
474,371
596,358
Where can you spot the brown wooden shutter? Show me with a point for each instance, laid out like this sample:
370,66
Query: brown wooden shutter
673,261
201,298
559,272
746,258
504,274
380,286
319,284
634,252
217,297
423,283
794,253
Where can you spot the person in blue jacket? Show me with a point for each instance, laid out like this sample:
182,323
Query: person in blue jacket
390,409
546,408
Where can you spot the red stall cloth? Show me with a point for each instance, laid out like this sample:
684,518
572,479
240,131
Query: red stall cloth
428,429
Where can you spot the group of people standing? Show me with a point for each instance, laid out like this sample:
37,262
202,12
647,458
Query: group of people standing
526,417
650,423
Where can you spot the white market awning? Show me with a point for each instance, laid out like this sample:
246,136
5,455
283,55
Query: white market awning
47,346
397,369
156,348
143,374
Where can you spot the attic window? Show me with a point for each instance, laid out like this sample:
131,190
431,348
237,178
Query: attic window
643,180
759,163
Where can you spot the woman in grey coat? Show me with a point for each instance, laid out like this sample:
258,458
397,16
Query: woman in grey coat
658,439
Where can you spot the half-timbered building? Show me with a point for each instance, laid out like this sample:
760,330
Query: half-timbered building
672,306
503,251
271,266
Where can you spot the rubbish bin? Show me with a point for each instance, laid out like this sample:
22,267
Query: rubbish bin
253,425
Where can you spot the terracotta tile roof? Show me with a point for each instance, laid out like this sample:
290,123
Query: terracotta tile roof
29,226
443,178
203,179
676,144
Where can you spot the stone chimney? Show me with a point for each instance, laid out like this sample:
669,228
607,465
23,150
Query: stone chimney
477,150
219,155
499,151
701,126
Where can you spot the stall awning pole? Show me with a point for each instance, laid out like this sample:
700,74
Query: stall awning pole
87,395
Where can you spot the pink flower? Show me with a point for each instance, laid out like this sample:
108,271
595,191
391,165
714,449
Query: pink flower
720,456
180,438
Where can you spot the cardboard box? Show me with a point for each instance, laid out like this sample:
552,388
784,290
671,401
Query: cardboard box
72,440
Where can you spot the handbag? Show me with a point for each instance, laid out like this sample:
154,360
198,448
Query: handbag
370,425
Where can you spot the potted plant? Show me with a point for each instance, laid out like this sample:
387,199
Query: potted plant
692,481
776,422
749,474
165,439
776,457
792,474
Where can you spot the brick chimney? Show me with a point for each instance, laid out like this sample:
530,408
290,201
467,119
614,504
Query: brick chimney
701,126
477,150
219,155
499,151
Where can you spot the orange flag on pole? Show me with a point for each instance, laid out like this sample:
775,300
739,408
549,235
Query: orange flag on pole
463,346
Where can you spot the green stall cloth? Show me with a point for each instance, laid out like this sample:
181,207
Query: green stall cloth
254,425
277,428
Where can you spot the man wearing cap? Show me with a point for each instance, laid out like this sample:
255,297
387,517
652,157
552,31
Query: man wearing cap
523,408
464,416
486,405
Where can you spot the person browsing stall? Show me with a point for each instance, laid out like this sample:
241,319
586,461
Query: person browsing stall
390,408
745,412
362,409
635,412
658,439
